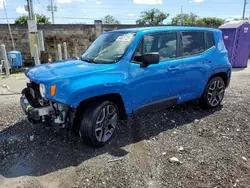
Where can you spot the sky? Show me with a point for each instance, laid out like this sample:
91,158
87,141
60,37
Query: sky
126,11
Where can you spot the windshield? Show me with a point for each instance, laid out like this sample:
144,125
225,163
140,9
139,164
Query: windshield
108,48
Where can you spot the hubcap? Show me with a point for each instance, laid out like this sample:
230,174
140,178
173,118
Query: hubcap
106,123
215,93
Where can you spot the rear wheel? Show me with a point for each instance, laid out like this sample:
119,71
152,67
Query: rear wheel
98,123
214,93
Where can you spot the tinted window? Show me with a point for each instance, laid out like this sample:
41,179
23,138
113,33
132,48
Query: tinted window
165,44
193,43
210,40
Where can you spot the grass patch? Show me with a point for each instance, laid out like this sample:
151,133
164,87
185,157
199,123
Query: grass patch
2,77
18,75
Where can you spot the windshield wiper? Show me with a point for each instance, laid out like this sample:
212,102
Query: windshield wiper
89,60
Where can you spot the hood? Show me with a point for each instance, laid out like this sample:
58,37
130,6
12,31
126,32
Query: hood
62,69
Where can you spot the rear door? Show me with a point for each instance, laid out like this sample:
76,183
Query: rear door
196,60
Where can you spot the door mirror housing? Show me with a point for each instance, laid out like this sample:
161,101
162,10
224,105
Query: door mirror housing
150,58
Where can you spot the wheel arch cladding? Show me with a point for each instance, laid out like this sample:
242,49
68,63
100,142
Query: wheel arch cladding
116,98
222,75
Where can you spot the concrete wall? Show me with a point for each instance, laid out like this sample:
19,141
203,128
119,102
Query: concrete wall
77,36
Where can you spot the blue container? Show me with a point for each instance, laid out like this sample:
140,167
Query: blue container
15,59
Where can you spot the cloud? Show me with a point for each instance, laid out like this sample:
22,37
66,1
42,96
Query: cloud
1,3
81,0
131,14
64,1
196,1
98,2
149,2
21,10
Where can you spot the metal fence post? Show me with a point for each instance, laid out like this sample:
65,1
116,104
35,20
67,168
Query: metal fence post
6,62
65,50
41,40
59,51
36,55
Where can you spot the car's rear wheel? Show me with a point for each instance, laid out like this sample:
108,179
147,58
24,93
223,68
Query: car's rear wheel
214,93
98,123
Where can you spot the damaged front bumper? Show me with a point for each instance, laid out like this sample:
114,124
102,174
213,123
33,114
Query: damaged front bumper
54,113
35,113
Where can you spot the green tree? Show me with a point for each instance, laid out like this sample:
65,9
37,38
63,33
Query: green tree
40,19
210,21
185,19
108,19
152,17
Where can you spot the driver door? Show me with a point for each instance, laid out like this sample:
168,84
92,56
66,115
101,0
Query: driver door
156,83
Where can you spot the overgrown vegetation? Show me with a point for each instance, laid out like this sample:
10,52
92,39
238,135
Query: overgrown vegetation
193,19
155,17
108,19
40,19
152,17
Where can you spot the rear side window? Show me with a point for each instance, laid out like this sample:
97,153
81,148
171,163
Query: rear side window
193,43
210,40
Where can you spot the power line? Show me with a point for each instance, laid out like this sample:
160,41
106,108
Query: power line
41,5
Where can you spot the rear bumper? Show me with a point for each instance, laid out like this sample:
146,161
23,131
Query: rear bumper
35,113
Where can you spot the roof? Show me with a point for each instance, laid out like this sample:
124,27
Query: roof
234,24
164,28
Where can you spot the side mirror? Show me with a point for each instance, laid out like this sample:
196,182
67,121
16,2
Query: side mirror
150,58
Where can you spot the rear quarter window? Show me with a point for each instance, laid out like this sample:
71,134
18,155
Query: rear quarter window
193,43
210,40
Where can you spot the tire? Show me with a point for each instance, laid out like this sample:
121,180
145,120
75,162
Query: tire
98,123
213,93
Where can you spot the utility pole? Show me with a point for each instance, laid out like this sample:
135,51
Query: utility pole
13,44
52,11
244,9
30,9
51,8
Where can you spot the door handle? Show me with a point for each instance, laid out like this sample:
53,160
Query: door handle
173,68
207,61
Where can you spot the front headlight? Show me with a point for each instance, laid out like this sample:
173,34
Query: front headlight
42,90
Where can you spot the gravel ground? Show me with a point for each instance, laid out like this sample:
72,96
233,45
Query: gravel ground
183,146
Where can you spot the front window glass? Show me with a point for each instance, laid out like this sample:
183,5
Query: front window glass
108,48
164,43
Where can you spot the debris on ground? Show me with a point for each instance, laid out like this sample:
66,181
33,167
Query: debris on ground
174,160
214,152
180,148
244,158
31,138
115,160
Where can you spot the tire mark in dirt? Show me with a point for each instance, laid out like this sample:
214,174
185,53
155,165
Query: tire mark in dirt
140,152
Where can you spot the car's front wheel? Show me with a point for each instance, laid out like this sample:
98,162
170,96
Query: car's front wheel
98,123
214,93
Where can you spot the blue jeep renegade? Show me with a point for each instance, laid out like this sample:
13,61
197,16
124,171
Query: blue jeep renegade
128,72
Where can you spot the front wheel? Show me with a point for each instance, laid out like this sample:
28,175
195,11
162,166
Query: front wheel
98,123
214,93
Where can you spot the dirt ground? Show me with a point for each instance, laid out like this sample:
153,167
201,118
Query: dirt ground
212,146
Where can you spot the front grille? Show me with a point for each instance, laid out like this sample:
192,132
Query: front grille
34,94
35,88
